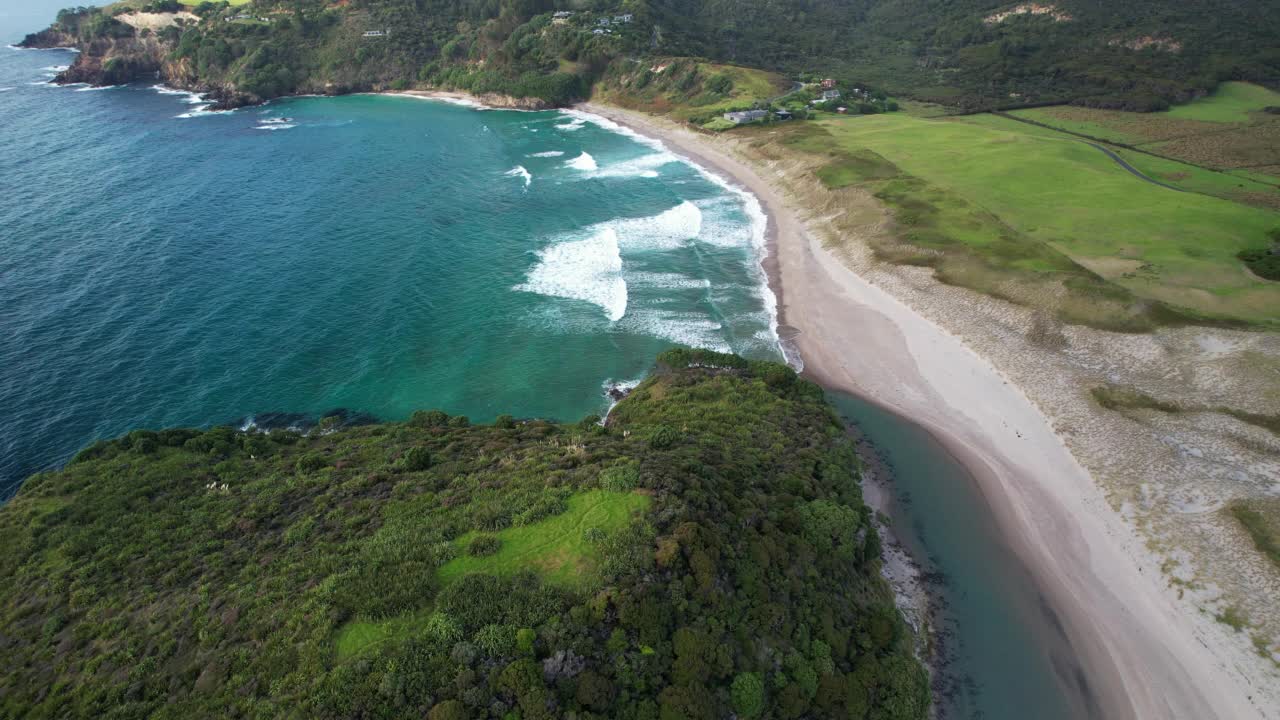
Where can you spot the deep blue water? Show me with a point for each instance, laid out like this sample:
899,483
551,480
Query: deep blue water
163,265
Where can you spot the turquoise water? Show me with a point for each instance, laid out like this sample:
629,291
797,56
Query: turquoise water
163,265
1004,656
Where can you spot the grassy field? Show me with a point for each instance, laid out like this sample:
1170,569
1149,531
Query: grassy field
1227,130
1232,102
556,547
990,202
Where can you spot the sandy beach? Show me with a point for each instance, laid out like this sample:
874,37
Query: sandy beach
1141,653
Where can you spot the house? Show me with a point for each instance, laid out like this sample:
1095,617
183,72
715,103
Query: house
562,14
782,114
598,31
624,18
830,95
602,21
375,33
842,110
744,116
828,84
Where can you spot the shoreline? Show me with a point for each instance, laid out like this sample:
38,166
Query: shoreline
1140,654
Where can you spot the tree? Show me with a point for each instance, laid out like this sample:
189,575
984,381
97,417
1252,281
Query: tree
448,710
748,694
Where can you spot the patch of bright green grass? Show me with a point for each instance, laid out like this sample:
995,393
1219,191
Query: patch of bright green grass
1159,244
1232,102
359,635
557,547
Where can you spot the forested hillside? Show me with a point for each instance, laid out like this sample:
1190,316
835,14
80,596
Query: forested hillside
705,553
965,53
982,53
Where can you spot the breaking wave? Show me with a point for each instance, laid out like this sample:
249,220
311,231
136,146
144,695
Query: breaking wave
520,172
583,162
589,270
667,230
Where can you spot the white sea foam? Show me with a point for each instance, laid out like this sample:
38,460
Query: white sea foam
203,111
520,172
686,328
576,123
666,281
191,98
667,230
583,162
643,166
275,126
751,205
548,153
98,87
614,127
589,269
5,89
626,386
56,68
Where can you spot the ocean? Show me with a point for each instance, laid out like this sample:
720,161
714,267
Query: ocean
164,265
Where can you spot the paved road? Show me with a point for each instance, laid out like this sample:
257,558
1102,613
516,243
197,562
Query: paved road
1132,170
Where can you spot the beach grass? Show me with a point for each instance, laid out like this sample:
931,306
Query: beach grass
1023,198
560,548
1261,520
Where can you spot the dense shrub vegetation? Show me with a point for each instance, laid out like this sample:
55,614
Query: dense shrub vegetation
221,573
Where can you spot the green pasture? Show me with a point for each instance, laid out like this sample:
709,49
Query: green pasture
1231,102
556,547
1236,185
1012,192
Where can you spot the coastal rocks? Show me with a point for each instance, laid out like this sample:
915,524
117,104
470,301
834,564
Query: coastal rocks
617,392
47,39
112,61
513,103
